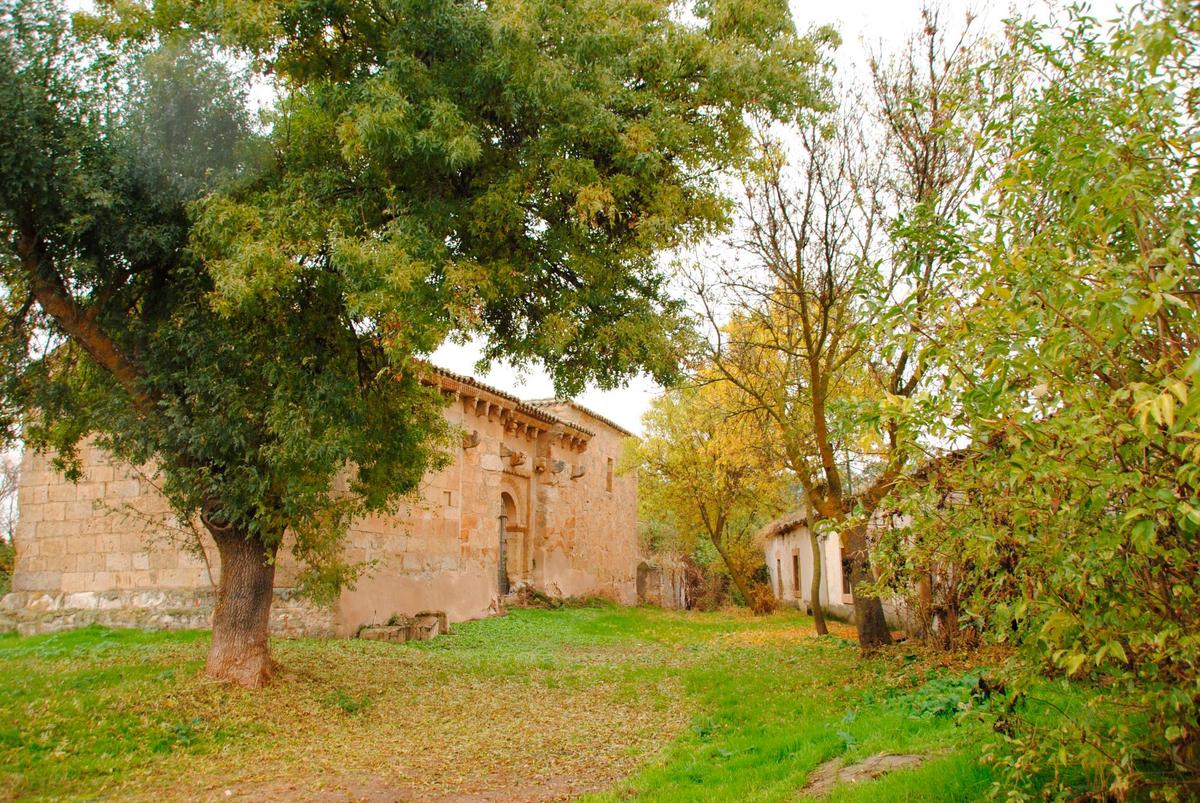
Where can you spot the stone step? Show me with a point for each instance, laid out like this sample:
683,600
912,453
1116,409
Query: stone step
421,627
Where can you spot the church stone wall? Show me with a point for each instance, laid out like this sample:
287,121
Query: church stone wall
591,542
108,550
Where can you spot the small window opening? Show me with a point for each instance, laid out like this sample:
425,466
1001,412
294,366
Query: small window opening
796,573
610,473
449,498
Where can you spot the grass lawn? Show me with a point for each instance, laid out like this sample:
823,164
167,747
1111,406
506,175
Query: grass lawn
608,702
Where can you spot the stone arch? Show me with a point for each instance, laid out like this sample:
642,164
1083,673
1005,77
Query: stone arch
508,507
515,549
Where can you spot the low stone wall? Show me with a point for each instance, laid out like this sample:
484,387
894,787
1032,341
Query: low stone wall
31,612
661,585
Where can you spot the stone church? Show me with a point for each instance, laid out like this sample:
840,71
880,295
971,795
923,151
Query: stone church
531,500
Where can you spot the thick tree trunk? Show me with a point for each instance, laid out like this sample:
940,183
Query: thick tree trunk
814,591
241,621
868,610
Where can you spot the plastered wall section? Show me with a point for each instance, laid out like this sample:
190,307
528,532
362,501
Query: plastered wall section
780,552
835,592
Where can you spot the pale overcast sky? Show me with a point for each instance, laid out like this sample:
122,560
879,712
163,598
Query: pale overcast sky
866,26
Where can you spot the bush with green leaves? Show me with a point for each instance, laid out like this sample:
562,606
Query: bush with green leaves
1072,519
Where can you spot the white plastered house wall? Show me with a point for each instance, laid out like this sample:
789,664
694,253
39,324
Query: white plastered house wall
787,547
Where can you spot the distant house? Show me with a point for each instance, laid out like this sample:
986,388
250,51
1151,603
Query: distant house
531,500
787,546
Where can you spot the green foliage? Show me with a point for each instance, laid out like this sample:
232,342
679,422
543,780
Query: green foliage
943,696
251,414
1071,524
507,170
247,306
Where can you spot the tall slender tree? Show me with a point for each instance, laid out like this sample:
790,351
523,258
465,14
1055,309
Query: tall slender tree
848,236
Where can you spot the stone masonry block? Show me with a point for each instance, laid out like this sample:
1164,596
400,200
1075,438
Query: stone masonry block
81,544
80,511
62,492
40,476
100,474
58,529
87,491
78,581
37,581
90,562
122,489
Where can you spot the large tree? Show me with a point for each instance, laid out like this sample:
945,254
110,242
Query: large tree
245,306
840,280
1072,524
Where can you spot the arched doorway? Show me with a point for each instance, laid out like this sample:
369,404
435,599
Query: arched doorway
513,544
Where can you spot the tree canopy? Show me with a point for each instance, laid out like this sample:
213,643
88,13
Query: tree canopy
1068,527
707,471
246,304
988,290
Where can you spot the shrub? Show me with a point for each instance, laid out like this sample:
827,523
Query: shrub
1070,527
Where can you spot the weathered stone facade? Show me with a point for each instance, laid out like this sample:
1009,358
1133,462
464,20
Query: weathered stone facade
662,584
107,550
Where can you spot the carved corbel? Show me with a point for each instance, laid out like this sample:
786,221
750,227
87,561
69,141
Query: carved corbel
472,440
578,471
514,458
544,464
